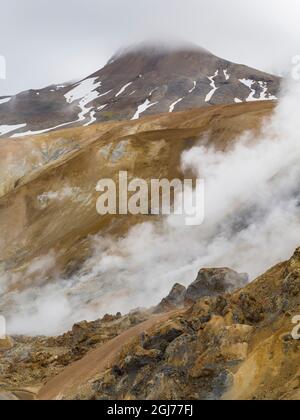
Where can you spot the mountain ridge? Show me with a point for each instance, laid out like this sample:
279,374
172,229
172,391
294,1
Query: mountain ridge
136,82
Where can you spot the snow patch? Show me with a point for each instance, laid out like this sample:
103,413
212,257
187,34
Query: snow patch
249,83
172,106
227,76
46,130
264,95
101,107
4,101
142,108
105,93
213,86
123,89
92,118
86,92
5,129
152,91
194,87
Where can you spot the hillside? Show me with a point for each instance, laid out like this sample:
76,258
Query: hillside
216,338
49,202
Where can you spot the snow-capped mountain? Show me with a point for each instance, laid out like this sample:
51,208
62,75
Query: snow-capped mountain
135,83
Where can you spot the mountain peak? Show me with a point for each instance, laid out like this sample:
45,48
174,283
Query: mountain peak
158,47
151,77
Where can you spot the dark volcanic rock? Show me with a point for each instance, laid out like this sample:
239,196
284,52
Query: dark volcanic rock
214,282
209,283
175,299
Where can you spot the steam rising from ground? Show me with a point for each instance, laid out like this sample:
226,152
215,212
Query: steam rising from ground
252,221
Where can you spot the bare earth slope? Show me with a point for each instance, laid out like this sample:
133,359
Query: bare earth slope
51,203
95,362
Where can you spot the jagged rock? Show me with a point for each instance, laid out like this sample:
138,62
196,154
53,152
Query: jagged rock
174,300
163,337
210,282
214,282
109,317
140,358
252,309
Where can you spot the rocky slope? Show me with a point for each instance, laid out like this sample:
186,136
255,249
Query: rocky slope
215,344
227,346
136,82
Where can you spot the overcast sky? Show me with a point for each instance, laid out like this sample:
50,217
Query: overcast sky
52,41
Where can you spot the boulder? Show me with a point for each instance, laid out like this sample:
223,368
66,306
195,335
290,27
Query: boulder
214,282
209,283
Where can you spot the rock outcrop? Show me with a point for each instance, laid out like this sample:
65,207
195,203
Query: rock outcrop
231,346
175,299
210,282
214,282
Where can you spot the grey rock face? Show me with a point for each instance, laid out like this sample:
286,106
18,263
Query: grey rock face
214,282
174,300
210,282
